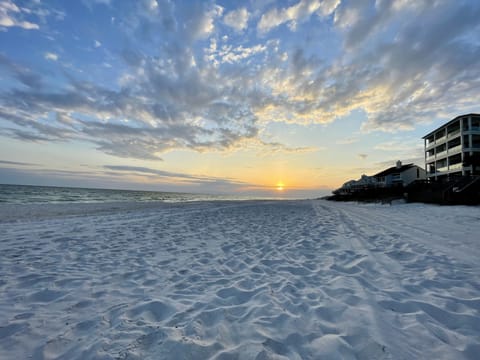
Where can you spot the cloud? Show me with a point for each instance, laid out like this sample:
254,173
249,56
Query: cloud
301,11
395,145
362,156
172,176
181,83
237,19
51,56
6,162
21,73
348,141
400,72
97,44
427,69
11,16
229,54
267,148
125,178
206,21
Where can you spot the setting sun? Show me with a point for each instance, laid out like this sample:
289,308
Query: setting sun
280,186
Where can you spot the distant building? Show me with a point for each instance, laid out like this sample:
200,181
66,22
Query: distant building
399,175
454,148
365,182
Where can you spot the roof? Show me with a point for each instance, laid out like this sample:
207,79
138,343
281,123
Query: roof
448,123
394,170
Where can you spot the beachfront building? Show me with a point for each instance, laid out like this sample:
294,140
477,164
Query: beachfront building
399,175
365,182
453,149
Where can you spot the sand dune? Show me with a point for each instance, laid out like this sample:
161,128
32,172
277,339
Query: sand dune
240,280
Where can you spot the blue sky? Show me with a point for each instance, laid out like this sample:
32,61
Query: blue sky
228,96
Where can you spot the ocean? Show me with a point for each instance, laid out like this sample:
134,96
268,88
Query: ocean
28,194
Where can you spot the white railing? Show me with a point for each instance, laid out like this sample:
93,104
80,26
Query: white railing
442,153
455,166
453,133
455,149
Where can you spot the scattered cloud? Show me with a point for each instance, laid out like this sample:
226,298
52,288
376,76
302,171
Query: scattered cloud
51,56
420,161
237,19
401,146
184,80
20,73
267,148
17,163
206,21
362,156
12,16
229,54
301,11
348,141
172,176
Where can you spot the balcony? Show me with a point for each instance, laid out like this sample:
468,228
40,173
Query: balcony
441,154
453,134
440,140
457,166
455,149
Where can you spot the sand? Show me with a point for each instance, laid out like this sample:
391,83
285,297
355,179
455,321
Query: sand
239,280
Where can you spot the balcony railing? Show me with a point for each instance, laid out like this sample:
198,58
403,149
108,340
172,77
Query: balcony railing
453,133
441,140
455,149
441,154
455,166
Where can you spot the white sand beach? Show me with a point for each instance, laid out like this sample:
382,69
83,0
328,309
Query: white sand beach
239,280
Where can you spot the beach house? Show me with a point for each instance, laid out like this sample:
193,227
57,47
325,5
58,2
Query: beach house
365,182
399,175
453,149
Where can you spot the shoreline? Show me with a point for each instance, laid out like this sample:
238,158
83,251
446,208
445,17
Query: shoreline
44,211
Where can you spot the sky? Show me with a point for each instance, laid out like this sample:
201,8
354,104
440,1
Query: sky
261,98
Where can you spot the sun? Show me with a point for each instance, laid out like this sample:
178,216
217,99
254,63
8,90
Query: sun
280,186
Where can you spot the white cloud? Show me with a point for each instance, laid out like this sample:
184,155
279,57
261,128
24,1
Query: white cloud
295,14
347,17
9,13
152,5
51,56
97,44
179,94
206,21
229,54
237,19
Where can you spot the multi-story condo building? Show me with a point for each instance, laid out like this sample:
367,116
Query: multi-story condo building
454,148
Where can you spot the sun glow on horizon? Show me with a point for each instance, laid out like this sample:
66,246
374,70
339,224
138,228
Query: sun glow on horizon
280,186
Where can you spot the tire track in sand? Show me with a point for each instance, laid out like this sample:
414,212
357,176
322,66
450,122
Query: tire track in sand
417,288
